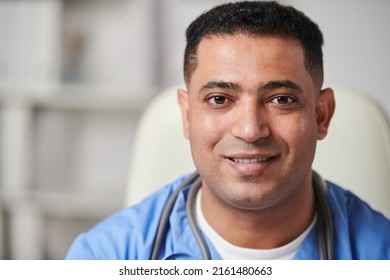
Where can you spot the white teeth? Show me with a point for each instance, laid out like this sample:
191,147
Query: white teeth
250,160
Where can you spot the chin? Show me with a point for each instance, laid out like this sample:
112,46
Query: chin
253,199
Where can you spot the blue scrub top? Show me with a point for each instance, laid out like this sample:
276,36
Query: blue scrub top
359,231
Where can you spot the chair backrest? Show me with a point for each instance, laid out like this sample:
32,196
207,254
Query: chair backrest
355,154
2,238
160,152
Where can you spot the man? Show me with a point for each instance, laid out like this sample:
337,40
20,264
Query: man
253,111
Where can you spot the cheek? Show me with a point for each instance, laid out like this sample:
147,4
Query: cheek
204,136
300,133
306,139
205,129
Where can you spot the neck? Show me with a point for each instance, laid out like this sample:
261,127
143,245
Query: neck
268,228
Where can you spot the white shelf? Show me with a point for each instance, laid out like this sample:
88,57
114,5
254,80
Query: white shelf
31,208
64,204
84,98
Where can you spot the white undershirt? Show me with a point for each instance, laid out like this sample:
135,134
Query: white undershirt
228,251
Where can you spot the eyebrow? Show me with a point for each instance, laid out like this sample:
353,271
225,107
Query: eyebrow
272,85
280,84
220,85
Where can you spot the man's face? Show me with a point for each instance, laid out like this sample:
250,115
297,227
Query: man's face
253,117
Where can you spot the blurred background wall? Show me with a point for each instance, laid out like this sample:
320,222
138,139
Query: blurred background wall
75,76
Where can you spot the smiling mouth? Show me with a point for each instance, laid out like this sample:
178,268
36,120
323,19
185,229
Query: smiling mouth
250,160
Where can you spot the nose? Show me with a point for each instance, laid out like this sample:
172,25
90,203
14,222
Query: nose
250,123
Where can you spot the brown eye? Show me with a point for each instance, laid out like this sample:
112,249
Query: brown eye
283,100
219,100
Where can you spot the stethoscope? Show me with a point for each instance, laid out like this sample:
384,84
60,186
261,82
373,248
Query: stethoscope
324,218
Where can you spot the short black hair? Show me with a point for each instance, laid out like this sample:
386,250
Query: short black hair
256,18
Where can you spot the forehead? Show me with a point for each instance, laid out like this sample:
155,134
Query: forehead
250,58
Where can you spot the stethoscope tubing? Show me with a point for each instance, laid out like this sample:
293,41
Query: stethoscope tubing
162,226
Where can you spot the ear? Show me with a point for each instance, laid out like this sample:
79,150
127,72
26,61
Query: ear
183,99
324,111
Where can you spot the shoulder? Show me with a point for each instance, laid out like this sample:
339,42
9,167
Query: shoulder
351,204
128,233
362,232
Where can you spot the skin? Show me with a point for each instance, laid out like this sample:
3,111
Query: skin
253,115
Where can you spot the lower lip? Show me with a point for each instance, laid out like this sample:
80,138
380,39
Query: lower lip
250,169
